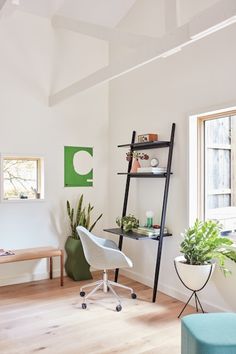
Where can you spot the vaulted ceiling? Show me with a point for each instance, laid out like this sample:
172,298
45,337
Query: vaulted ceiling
183,22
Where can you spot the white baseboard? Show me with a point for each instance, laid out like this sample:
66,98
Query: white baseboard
27,277
168,290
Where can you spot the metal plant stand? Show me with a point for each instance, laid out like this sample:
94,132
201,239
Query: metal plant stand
194,292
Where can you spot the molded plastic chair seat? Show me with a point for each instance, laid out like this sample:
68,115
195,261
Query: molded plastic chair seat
103,254
211,333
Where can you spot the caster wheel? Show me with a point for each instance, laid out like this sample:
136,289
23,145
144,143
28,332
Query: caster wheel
134,296
118,308
84,306
82,293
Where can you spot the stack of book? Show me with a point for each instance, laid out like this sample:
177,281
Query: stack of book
156,170
149,231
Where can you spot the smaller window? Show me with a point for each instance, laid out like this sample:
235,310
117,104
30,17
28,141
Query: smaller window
22,178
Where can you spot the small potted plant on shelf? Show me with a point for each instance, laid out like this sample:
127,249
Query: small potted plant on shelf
76,265
203,247
128,223
136,156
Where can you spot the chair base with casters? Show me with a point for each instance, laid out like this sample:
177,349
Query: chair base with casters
105,285
103,255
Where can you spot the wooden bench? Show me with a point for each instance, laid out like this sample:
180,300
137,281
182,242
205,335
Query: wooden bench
37,253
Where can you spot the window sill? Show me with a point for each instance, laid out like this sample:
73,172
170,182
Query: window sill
23,200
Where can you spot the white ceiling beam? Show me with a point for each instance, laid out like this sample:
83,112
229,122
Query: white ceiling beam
171,21
124,65
167,45
213,16
100,32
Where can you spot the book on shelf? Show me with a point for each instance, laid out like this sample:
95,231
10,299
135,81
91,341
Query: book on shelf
6,253
149,231
151,170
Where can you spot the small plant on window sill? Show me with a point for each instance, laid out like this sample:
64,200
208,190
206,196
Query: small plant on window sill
37,194
23,196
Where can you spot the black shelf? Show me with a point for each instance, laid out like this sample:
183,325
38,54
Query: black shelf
166,175
144,175
148,145
134,235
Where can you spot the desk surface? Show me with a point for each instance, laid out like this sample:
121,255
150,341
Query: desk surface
134,235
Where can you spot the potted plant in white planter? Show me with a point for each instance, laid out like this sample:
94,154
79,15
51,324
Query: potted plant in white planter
76,265
203,247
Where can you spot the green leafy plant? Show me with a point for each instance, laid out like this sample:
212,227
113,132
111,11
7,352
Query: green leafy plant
203,242
81,216
128,223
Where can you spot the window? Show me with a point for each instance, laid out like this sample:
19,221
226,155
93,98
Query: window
22,178
217,168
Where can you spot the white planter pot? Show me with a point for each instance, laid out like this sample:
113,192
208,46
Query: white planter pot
193,277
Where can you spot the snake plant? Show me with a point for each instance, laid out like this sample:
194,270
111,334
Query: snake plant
80,216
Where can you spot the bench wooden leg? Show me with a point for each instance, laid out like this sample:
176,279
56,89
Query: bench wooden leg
50,267
62,267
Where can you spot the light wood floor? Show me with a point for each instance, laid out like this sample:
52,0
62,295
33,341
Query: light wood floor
42,317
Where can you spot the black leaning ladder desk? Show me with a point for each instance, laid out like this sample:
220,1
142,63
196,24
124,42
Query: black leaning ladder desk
118,231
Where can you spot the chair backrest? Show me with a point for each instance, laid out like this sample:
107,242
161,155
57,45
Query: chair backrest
99,256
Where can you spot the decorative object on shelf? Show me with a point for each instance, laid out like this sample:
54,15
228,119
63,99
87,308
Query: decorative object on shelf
157,170
149,231
78,171
76,265
135,166
149,216
144,138
128,223
201,244
154,162
135,156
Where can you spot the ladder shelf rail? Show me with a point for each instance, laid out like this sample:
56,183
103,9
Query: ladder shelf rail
119,231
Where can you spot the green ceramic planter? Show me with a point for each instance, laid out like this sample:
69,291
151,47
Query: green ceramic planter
76,265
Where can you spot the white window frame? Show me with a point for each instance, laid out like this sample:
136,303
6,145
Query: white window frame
196,158
41,188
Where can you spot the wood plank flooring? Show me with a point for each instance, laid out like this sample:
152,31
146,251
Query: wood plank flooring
42,317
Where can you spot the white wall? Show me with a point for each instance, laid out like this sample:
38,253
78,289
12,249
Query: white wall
198,79
29,49
36,61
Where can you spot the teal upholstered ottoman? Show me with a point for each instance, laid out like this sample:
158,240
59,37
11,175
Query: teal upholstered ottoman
211,333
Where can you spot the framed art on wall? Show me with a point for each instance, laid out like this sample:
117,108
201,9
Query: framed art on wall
78,170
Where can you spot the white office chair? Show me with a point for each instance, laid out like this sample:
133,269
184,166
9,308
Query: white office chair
103,254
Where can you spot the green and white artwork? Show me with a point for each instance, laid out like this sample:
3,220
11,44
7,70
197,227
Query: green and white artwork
78,166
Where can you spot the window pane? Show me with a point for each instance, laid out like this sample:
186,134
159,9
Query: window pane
220,170
20,178
218,201
218,131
